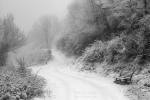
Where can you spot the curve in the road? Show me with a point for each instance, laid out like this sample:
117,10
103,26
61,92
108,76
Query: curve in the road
76,86
79,87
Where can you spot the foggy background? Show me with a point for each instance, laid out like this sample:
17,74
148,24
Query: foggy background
26,12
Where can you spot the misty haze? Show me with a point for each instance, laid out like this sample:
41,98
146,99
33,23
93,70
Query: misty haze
74,50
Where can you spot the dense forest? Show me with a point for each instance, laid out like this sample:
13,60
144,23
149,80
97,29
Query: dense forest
107,31
110,35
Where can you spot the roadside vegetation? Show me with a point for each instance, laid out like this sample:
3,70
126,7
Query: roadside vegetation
37,50
111,36
17,81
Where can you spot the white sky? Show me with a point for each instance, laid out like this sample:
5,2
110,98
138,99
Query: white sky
26,12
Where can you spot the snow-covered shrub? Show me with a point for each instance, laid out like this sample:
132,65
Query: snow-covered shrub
11,38
95,53
39,56
74,44
136,92
15,86
114,50
118,51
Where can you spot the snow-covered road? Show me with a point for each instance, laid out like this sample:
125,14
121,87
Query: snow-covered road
71,85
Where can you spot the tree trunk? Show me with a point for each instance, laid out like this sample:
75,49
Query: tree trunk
145,7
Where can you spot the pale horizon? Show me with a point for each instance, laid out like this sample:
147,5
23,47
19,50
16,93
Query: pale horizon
26,12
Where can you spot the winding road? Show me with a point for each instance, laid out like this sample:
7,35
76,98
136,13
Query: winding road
67,84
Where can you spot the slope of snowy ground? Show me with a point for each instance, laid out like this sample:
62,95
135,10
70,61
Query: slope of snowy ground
71,85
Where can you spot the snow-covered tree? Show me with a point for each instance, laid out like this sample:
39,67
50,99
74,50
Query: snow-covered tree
11,38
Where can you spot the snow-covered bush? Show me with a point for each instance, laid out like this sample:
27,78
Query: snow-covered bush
11,38
74,44
39,56
95,53
137,93
14,85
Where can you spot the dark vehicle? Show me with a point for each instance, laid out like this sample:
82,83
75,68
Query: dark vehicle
125,78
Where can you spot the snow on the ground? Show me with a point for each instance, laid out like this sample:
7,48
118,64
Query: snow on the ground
70,85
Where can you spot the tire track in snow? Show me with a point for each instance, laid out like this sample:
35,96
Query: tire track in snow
78,85
94,83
